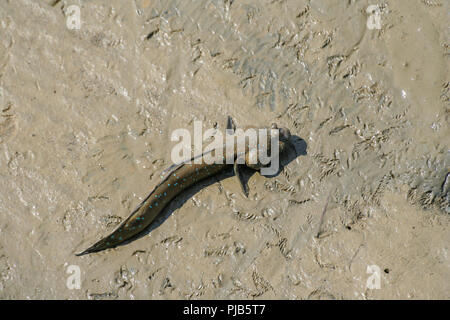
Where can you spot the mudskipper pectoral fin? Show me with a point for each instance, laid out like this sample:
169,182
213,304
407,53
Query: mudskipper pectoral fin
239,175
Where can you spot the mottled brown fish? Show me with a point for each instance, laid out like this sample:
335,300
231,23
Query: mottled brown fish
178,178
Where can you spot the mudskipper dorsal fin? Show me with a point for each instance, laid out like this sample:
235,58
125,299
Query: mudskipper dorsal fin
231,126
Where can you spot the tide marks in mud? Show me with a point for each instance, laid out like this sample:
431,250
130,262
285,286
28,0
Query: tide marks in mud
278,186
432,198
294,202
103,296
432,3
445,91
374,141
245,216
261,285
375,196
110,220
279,241
327,166
225,250
8,125
296,113
6,271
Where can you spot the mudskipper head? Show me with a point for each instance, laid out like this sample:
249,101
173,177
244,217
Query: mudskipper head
284,136
266,156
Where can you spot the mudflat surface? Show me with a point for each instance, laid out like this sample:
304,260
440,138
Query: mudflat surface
86,118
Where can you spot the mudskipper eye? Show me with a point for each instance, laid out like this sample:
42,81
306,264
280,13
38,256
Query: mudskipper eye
285,133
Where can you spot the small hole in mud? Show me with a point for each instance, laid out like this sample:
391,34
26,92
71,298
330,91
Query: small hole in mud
349,228
386,270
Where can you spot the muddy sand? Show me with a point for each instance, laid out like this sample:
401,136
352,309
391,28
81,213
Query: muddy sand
86,116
